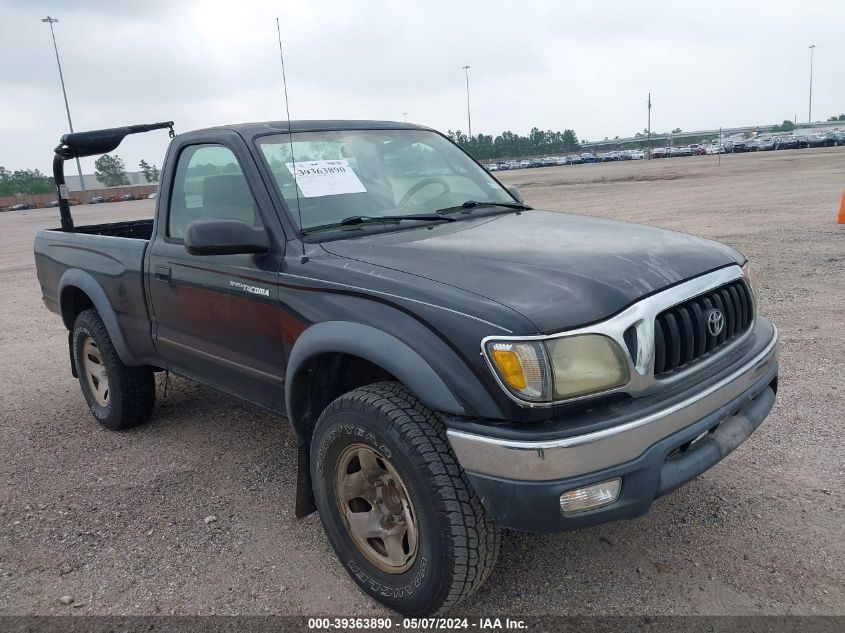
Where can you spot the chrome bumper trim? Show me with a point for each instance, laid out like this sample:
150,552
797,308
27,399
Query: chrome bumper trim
582,454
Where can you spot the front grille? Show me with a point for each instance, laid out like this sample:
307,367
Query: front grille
681,334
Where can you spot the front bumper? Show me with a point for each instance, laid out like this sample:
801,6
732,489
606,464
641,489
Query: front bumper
520,481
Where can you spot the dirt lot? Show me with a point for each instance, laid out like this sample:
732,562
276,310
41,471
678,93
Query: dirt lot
192,513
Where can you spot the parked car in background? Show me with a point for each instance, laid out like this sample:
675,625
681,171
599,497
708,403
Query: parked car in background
751,145
97,200
786,142
815,140
152,196
589,157
660,152
575,159
22,206
113,199
825,139
53,203
765,145
127,197
492,167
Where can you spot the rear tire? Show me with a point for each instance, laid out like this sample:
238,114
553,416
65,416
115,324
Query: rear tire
118,396
446,545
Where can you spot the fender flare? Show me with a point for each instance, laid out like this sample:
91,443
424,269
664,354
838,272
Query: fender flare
376,346
76,278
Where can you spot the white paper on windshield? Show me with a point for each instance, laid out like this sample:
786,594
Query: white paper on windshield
325,178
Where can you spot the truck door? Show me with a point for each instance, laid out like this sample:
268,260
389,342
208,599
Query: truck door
215,317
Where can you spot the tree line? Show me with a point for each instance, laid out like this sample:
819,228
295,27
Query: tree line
511,145
24,181
110,170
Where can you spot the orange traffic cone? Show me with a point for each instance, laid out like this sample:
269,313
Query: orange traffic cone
842,210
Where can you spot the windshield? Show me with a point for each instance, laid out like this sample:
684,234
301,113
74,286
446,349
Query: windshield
374,173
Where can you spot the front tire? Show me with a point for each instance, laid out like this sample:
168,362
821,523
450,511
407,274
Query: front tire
118,396
395,504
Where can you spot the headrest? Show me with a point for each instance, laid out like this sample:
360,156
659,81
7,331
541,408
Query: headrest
226,191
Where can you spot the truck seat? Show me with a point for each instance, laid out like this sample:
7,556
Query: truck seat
228,196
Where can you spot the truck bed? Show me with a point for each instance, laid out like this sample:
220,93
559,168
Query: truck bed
96,259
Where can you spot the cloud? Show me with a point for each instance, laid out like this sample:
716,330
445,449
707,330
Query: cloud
551,64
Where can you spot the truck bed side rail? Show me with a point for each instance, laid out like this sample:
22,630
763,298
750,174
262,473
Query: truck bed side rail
91,143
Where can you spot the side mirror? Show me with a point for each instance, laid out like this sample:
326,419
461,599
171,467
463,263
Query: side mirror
516,193
224,237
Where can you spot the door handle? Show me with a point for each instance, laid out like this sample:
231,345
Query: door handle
162,273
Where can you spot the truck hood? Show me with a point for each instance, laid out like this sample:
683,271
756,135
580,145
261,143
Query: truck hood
559,270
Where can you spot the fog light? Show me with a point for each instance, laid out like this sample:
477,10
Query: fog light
590,497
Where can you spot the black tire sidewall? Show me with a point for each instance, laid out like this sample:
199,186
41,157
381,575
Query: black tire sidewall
424,584
85,329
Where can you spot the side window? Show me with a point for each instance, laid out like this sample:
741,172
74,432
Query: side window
209,183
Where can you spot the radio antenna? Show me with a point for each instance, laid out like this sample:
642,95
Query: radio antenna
290,140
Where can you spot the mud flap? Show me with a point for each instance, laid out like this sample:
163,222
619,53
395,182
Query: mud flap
305,504
70,351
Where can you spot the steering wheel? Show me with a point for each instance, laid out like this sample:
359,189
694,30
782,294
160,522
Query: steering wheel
425,182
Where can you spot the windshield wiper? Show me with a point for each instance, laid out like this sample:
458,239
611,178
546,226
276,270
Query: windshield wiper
472,204
425,217
365,219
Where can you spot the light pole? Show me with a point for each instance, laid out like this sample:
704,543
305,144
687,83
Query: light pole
812,48
469,117
52,21
405,114
648,129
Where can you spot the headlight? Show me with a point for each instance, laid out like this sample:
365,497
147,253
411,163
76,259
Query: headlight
586,364
555,369
523,368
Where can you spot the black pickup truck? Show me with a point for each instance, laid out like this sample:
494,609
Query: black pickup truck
451,361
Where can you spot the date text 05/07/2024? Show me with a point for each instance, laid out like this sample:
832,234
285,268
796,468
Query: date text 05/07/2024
414,624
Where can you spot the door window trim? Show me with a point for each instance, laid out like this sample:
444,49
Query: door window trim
173,184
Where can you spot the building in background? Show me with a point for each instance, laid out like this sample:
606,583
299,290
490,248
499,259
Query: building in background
135,178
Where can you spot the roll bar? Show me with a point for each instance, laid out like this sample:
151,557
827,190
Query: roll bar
80,144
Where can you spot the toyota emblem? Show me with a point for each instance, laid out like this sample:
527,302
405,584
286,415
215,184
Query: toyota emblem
715,322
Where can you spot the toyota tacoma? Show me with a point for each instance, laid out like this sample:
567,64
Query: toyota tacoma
451,361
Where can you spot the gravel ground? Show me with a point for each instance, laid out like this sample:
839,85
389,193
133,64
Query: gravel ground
192,513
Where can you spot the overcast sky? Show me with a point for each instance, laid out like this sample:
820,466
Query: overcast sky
581,65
